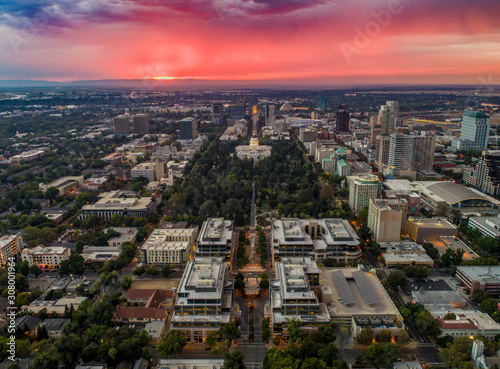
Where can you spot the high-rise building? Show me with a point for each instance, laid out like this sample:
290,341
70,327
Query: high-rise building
269,114
402,155
386,218
141,124
187,128
474,131
218,113
342,119
121,124
486,174
383,144
362,188
10,246
238,110
425,145
322,103
387,116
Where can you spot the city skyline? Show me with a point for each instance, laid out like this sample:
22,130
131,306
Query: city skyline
315,42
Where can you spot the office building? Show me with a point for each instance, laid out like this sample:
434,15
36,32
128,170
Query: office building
150,170
308,135
253,151
386,218
486,174
269,114
356,299
468,323
362,188
46,257
425,145
426,229
218,113
387,116
315,238
141,124
10,246
187,128
31,155
215,238
121,125
483,278
294,297
112,203
169,246
322,103
402,155
342,125
474,131
238,110
204,299
404,254
64,184
382,149
488,226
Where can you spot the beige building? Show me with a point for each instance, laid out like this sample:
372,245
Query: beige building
48,257
253,151
362,188
150,170
10,246
386,218
169,246
64,184
404,254
427,229
109,204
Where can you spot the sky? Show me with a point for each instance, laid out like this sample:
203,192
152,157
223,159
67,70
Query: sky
295,41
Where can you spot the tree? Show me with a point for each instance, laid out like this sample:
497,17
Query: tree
233,360
295,333
166,270
67,350
264,283
24,268
458,352
403,338
385,353
212,338
384,336
427,324
489,306
417,271
36,270
172,344
229,332
126,282
365,336
480,295
396,279
266,330
51,193
450,316
152,271
140,270
239,284
328,354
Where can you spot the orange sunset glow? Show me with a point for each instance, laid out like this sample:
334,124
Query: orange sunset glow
360,41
